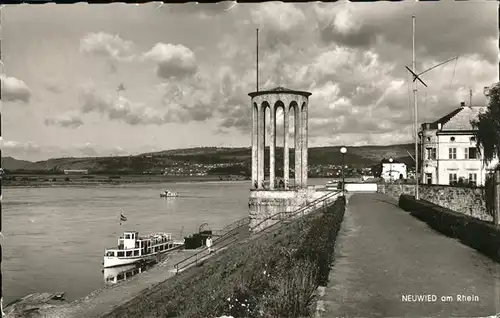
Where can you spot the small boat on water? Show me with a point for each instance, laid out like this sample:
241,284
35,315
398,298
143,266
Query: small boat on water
133,248
169,194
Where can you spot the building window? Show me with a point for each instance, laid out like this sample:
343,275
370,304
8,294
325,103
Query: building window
428,138
471,153
431,153
452,138
472,138
453,178
473,178
452,153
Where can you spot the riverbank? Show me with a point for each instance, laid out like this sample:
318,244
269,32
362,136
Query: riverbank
102,301
99,180
275,274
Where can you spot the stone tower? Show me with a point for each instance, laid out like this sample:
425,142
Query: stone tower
288,100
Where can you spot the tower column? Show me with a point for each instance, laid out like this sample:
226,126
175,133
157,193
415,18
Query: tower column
286,153
272,147
304,145
255,136
262,144
298,149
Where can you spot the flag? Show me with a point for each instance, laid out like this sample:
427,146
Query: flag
121,87
123,218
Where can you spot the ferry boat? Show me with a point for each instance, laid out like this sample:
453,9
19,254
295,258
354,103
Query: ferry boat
133,248
168,194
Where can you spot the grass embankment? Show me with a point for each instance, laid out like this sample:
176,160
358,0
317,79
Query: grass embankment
480,235
271,275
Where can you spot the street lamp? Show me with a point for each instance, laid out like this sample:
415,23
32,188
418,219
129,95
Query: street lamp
390,169
343,151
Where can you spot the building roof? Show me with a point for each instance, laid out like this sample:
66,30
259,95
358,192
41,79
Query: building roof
458,119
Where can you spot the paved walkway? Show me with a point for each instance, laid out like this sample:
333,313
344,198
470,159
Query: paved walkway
383,253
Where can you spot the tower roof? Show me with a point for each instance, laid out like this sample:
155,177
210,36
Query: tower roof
280,90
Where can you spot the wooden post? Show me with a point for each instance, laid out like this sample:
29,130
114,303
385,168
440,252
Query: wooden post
496,197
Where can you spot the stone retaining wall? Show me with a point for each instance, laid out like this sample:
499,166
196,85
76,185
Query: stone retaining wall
275,205
469,201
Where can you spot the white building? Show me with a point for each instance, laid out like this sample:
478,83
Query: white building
392,171
76,171
449,150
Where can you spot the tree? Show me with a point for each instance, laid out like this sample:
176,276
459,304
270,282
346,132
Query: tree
487,126
487,133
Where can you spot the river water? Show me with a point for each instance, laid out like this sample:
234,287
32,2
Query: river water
54,237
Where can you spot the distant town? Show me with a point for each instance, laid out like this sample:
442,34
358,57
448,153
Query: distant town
209,163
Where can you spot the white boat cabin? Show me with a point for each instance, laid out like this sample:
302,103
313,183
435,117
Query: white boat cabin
131,244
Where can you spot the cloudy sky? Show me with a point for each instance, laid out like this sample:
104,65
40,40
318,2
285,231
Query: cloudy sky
87,80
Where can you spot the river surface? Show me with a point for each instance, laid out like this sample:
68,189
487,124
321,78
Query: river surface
54,237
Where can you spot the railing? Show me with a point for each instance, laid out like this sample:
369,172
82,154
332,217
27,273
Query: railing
289,216
232,226
229,237
267,184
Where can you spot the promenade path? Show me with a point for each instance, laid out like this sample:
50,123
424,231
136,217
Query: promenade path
383,253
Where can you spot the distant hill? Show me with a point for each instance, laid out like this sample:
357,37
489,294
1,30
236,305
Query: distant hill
9,163
355,156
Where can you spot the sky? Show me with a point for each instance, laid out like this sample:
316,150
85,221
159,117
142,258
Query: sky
118,79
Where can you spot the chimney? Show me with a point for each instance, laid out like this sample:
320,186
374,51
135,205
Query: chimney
462,104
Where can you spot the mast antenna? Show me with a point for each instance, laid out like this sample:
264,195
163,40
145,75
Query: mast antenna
416,76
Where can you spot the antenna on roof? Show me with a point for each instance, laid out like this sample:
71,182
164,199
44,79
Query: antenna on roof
470,97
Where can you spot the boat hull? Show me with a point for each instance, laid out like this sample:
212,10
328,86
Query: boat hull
114,261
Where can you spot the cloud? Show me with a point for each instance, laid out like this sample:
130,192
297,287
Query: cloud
280,23
107,45
352,57
440,27
174,61
87,149
180,103
189,101
201,10
54,87
14,90
120,109
65,120
19,149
